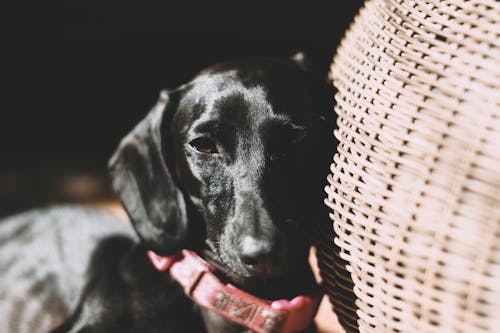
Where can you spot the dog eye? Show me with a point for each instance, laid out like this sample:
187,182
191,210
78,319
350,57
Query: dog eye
204,145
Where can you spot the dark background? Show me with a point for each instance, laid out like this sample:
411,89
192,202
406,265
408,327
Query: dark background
79,74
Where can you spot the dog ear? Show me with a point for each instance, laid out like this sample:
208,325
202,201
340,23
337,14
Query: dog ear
313,62
144,184
316,68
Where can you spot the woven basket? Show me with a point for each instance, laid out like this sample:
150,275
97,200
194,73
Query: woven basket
415,185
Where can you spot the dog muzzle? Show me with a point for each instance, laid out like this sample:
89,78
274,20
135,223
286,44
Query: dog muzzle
262,316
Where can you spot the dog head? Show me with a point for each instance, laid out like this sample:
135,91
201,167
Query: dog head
237,156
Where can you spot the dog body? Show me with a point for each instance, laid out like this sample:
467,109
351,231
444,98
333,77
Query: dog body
83,270
45,257
230,165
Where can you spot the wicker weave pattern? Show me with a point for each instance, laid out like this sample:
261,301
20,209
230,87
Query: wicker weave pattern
415,185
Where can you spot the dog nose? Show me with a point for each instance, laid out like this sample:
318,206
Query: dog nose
256,254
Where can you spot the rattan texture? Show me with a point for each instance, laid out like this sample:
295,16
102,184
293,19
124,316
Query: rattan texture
414,189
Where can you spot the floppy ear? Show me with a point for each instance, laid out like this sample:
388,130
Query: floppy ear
144,184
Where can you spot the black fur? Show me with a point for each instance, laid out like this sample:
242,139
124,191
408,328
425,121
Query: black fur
231,165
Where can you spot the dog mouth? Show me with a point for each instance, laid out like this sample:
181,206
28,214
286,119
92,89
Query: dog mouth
232,269
227,268
283,285
211,256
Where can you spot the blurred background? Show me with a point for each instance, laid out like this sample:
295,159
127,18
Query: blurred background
79,74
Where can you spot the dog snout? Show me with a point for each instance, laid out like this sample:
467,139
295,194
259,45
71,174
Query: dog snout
258,255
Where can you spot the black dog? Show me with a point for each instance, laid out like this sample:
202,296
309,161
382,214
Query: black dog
231,165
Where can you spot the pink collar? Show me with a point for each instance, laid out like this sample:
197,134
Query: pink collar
261,316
